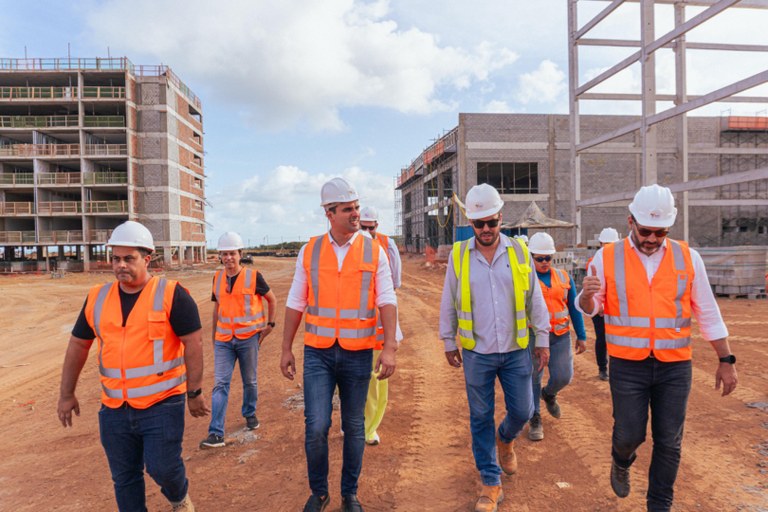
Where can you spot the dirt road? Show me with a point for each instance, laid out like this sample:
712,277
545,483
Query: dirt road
425,460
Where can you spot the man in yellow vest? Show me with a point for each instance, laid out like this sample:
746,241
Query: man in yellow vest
649,287
559,293
239,327
150,357
342,278
378,389
491,312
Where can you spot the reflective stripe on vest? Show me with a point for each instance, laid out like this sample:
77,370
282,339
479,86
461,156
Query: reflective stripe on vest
519,264
158,367
662,334
240,300
355,328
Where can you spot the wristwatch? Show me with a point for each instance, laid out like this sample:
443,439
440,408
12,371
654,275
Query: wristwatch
728,359
271,324
194,394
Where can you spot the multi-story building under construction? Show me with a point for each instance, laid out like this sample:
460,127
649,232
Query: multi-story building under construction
86,144
527,158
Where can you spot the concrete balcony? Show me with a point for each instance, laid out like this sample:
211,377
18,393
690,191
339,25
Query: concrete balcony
17,237
59,208
31,122
59,178
89,92
60,237
17,208
105,178
104,121
106,207
11,180
40,150
99,235
106,150
24,94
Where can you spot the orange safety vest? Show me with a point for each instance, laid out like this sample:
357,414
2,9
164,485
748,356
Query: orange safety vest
143,362
384,241
341,304
641,318
556,297
241,312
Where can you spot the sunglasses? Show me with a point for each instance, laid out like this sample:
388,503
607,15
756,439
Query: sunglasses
367,228
480,224
542,259
644,232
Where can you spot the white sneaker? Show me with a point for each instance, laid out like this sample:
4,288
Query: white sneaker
374,440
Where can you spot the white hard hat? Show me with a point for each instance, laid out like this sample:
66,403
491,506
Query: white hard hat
654,206
524,238
132,234
608,235
483,201
369,214
230,241
541,243
337,190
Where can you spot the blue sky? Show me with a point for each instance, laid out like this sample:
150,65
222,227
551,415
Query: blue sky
295,92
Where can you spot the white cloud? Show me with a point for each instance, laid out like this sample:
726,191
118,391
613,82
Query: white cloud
297,61
286,204
546,84
497,107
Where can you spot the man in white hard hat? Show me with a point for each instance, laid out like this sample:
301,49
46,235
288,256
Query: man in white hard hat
559,292
150,359
607,236
649,287
378,389
342,278
491,312
240,324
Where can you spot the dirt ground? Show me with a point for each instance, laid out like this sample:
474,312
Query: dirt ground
425,460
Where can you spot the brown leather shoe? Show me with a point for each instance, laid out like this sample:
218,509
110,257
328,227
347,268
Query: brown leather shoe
489,499
507,456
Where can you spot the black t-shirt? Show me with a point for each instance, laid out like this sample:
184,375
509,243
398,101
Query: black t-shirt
184,316
262,288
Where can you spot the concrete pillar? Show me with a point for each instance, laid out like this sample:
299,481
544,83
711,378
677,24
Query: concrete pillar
87,258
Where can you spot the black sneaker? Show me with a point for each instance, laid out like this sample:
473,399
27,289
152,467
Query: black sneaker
350,503
212,441
603,375
619,480
252,423
317,503
536,429
552,406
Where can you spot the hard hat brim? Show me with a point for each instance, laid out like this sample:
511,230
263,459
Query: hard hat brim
484,213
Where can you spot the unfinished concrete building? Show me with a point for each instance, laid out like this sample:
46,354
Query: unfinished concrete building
86,144
527,158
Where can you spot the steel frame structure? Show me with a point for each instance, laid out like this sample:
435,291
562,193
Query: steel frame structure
645,55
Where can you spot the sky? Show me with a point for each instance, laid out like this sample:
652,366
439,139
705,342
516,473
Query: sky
295,92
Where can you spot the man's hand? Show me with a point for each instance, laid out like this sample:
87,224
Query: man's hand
65,408
288,364
197,407
454,358
542,355
590,285
264,333
726,375
385,366
580,346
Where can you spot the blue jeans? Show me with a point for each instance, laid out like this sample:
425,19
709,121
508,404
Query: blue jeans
225,354
636,385
513,369
133,438
601,354
560,366
324,369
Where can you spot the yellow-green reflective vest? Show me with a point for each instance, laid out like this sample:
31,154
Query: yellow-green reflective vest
519,263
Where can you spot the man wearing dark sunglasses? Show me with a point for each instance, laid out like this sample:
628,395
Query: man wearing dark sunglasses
559,293
490,296
648,288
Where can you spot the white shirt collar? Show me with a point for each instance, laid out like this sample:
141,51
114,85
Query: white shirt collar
349,242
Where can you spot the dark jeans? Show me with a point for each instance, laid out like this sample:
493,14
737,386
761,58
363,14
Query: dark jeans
133,438
665,387
246,352
324,369
601,354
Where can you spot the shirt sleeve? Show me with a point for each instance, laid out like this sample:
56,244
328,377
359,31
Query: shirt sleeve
449,320
297,296
262,288
383,288
538,313
81,329
213,295
703,303
395,264
576,319
184,316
